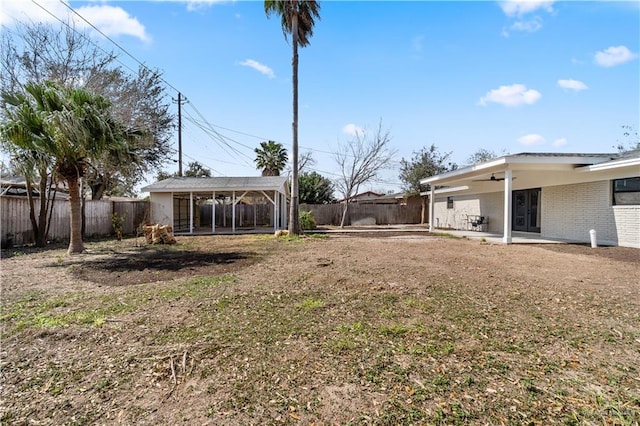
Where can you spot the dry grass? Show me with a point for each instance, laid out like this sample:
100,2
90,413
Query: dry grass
407,330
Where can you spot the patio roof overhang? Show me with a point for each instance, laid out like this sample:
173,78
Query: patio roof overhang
529,170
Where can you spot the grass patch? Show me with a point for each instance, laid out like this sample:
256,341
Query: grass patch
310,304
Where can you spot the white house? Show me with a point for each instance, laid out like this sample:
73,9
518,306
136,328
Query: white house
197,204
553,195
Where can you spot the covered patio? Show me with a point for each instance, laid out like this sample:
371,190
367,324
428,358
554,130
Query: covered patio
549,196
223,205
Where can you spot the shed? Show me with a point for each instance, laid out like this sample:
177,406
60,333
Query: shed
220,204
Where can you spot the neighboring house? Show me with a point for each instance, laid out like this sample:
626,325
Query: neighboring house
197,204
17,186
553,195
370,197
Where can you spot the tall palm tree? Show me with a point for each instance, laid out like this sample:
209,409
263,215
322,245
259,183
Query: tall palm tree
297,19
271,157
77,127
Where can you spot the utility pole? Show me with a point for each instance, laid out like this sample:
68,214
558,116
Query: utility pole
180,100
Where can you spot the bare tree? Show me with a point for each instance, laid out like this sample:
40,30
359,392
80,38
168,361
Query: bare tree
359,162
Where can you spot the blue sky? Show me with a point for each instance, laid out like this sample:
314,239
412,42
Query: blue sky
523,76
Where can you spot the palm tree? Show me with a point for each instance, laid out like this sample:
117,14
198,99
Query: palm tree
76,127
20,124
271,157
297,18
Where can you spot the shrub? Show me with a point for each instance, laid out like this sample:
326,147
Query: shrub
118,224
307,221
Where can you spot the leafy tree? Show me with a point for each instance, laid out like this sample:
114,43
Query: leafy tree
424,163
39,52
72,127
297,18
360,161
481,156
315,189
195,169
630,139
271,157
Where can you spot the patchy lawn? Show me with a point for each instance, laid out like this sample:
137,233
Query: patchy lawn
402,329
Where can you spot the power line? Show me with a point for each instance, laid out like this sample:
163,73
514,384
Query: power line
82,35
112,41
210,128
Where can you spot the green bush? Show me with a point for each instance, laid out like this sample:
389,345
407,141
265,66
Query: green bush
307,221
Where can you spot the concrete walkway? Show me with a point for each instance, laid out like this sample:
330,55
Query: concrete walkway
516,237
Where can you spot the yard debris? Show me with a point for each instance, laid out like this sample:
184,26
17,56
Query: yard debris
159,234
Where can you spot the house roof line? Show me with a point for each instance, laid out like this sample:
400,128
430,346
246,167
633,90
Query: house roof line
502,163
219,184
624,162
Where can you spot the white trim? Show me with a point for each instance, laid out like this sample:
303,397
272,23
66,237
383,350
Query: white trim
626,162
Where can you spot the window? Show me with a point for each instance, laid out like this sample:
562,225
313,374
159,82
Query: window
449,202
626,192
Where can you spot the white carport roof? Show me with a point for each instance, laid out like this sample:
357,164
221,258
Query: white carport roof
220,184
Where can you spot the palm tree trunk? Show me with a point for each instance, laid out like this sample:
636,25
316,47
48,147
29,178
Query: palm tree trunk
32,211
294,220
41,237
75,240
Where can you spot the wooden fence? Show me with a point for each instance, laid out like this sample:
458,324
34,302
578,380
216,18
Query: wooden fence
15,223
364,214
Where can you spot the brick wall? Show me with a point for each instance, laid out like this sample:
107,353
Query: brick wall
571,211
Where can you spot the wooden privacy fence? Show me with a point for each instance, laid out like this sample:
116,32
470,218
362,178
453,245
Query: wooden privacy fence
364,214
15,223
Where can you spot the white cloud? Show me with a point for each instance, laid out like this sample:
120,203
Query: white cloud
572,85
13,11
532,139
530,26
193,5
111,20
614,55
511,96
522,7
352,129
560,142
261,68
114,21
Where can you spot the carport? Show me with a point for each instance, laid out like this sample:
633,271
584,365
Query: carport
219,204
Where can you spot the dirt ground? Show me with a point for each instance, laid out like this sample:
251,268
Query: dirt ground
366,328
